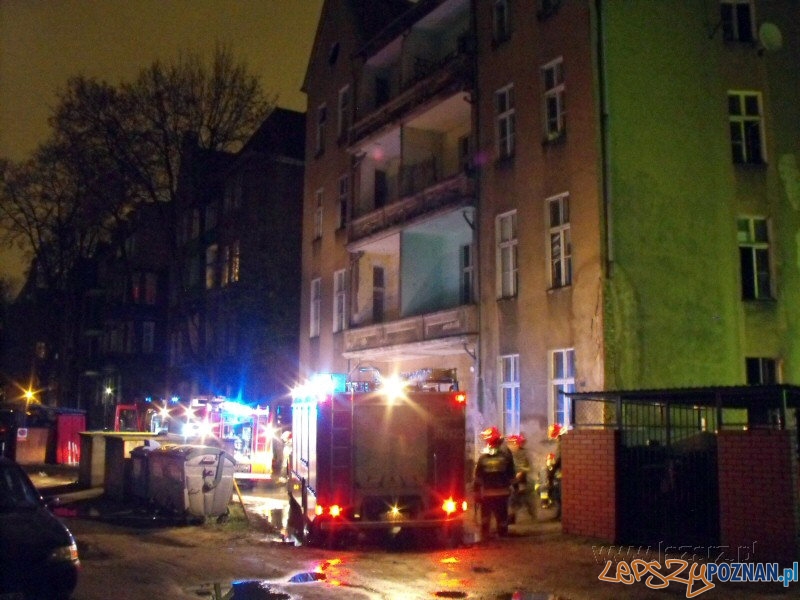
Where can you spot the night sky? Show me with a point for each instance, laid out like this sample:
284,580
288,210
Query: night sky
43,42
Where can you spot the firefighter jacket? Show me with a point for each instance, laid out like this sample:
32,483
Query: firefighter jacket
494,472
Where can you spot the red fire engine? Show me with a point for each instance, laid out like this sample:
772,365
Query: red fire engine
377,460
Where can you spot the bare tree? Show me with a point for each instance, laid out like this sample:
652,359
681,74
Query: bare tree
112,148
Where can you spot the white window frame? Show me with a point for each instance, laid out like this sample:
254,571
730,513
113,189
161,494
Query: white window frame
322,119
506,258
314,310
745,115
559,243
318,195
562,378
508,370
732,28
339,301
505,121
343,113
553,98
753,237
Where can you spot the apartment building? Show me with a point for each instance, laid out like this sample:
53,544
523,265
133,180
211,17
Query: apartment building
233,318
542,196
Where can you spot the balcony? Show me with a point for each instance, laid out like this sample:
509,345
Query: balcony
458,190
431,79
440,332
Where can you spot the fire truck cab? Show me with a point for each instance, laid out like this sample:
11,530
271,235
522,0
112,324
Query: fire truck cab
376,460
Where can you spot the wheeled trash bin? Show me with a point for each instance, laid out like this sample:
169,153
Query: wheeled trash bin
190,480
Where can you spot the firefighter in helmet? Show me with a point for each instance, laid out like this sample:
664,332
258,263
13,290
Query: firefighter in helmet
494,474
522,494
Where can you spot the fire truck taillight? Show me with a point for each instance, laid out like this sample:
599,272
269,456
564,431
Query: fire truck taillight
461,398
450,506
335,510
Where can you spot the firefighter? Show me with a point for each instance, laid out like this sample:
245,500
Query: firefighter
522,496
494,474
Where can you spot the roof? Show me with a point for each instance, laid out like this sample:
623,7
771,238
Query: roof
282,133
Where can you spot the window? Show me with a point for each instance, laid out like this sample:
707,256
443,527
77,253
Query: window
316,296
761,371
509,392
344,194
753,238
211,217
506,233
150,288
235,259
504,107
211,267
322,118
195,224
225,271
343,122
339,301
378,294
467,274
744,114
562,379
148,337
553,78
500,21
736,20
318,215
559,248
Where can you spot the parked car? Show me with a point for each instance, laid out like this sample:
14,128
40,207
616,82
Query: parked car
38,555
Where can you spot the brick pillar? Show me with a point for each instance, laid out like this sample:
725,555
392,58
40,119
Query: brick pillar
589,463
758,495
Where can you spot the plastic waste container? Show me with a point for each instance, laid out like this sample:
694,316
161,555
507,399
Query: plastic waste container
190,480
139,475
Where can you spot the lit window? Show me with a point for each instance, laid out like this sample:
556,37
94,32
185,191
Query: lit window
736,20
235,260
562,379
211,267
559,247
504,108
746,127
553,77
318,215
506,234
509,392
753,239
316,297
339,301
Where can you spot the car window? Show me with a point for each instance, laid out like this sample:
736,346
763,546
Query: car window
16,491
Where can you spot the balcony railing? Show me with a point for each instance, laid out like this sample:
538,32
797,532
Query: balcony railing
432,79
454,191
462,320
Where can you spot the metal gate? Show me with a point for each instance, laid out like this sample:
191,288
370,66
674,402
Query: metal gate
668,475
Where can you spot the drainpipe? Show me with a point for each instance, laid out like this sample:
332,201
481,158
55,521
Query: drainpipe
605,169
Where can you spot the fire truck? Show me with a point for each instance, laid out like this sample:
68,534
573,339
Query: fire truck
376,461
246,432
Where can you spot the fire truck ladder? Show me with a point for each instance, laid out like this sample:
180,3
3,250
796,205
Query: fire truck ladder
341,450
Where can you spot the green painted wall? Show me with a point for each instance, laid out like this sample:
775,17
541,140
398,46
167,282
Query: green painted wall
672,298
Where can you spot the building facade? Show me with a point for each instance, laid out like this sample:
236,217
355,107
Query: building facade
233,316
544,196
